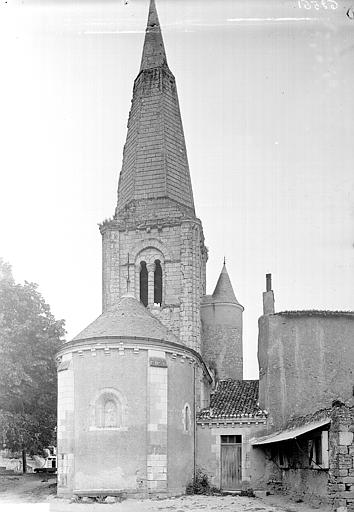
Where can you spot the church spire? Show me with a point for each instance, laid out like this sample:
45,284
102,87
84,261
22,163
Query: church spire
155,164
154,54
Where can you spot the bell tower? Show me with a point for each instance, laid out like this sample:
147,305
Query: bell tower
155,237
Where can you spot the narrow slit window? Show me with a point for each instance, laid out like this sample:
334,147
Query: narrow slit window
158,283
144,283
187,418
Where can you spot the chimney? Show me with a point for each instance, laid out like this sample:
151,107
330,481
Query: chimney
268,297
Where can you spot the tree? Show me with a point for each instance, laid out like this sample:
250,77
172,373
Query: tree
29,338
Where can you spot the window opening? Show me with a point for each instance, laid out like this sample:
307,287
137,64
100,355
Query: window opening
144,278
315,450
232,439
158,283
108,411
110,414
187,418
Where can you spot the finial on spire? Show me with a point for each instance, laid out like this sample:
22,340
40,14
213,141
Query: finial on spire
154,54
224,261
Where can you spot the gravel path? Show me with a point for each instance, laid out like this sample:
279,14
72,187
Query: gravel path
38,489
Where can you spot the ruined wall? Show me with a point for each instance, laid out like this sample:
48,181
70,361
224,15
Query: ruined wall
254,472
299,477
299,356
222,339
341,459
329,482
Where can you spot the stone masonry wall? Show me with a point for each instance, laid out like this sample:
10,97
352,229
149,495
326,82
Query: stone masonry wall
157,424
341,459
179,247
65,432
222,339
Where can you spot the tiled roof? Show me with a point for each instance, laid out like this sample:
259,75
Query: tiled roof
233,399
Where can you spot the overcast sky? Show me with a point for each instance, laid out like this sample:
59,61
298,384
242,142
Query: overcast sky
266,94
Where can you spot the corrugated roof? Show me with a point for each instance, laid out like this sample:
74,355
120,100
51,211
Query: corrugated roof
233,399
285,435
127,318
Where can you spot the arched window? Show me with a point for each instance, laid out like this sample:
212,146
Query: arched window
187,418
108,411
144,283
110,414
158,283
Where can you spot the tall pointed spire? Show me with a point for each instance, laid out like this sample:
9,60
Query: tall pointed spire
155,164
154,54
223,290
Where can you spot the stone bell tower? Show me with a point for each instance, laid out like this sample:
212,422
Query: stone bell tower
154,242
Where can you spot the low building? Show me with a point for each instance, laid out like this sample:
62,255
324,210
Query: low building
306,386
224,430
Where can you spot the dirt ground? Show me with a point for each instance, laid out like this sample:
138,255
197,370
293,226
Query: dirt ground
32,488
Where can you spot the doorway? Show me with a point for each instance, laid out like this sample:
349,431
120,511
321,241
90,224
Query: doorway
231,462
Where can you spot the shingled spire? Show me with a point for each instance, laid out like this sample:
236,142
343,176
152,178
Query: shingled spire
154,54
155,164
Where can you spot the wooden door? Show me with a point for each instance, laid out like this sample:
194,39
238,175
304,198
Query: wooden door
231,466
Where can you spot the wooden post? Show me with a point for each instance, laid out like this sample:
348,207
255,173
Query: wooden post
24,461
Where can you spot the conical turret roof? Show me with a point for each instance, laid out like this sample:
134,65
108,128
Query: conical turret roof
223,290
128,318
155,164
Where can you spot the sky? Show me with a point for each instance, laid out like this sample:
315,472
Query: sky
265,91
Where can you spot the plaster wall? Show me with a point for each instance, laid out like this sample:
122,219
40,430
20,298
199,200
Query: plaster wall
299,358
181,424
222,339
254,465
150,450
111,458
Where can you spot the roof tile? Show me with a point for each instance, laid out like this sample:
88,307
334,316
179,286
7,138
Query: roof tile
234,399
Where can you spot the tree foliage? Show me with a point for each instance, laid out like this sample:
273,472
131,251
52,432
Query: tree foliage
29,339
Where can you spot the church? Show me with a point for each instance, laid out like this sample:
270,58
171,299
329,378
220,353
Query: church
152,390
